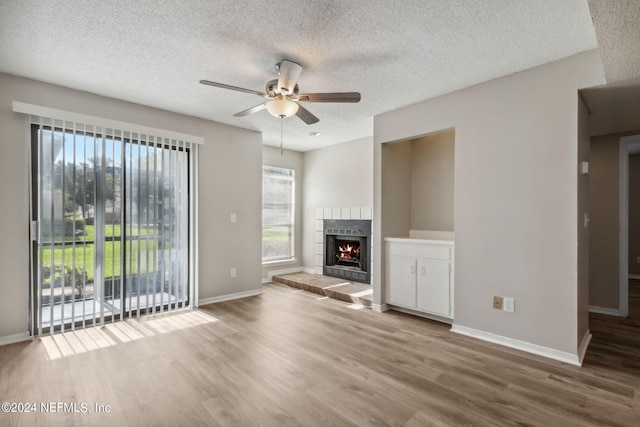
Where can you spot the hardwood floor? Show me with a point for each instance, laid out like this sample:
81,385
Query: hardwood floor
289,357
616,340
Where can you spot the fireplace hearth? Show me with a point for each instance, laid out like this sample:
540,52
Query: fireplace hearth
346,249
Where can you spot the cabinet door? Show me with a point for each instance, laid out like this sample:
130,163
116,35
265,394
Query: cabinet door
401,281
433,287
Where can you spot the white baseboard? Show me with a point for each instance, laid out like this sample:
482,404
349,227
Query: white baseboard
604,310
380,308
582,350
230,297
11,339
562,356
421,314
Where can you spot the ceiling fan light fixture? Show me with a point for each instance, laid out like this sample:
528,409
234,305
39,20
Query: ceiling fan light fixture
282,107
283,95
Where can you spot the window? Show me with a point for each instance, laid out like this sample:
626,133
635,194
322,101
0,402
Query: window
278,196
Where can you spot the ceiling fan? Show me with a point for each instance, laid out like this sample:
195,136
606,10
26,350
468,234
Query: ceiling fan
284,97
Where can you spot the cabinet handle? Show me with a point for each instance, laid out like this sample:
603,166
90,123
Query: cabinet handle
423,270
413,269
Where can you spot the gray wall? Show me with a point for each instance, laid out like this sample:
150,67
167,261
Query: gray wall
583,209
339,176
634,214
418,184
516,197
604,259
230,155
604,252
432,174
396,188
271,156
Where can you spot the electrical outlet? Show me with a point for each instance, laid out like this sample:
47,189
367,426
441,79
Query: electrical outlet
497,303
509,305
234,272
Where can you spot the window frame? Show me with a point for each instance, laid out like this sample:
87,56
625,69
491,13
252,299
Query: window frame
291,222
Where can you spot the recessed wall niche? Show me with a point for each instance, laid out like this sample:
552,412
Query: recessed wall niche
418,184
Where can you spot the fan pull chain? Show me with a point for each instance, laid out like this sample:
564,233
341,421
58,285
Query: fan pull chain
281,123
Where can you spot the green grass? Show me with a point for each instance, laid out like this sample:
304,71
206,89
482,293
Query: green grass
275,241
275,233
109,231
83,254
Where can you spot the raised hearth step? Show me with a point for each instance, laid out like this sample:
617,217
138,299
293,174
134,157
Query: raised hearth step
357,293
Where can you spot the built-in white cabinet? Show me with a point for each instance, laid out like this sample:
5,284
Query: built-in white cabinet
419,275
401,280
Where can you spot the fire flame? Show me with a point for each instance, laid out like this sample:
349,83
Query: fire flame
349,252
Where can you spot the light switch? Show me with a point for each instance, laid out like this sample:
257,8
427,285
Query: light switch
234,218
509,305
584,168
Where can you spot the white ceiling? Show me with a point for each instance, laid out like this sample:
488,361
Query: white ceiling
394,53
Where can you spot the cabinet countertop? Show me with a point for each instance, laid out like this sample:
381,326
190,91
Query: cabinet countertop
419,241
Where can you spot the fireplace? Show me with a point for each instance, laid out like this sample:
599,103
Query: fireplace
346,249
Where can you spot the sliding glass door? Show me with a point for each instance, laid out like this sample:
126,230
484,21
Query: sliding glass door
156,226
110,226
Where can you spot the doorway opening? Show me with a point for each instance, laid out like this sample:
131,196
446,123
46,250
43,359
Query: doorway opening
629,216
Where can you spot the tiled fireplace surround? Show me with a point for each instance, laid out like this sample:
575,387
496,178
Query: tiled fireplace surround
356,213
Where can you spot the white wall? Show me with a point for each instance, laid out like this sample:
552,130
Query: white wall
271,156
515,197
230,155
339,176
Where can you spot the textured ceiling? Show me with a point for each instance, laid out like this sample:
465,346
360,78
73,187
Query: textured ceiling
394,53
615,107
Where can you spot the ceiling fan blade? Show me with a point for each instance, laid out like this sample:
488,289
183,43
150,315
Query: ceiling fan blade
330,97
251,110
306,116
236,88
288,73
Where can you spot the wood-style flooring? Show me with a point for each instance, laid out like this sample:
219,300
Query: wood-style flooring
290,357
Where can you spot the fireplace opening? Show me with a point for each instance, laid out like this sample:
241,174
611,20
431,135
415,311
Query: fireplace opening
348,252
346,249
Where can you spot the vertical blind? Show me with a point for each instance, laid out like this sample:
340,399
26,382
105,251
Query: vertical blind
113,223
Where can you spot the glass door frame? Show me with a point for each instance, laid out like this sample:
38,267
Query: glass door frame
100,171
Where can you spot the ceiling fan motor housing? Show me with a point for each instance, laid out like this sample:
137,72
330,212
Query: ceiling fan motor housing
288,74
272,89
